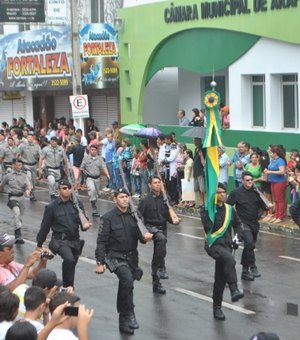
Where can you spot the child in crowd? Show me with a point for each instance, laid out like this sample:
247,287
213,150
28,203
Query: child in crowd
135,172
188,195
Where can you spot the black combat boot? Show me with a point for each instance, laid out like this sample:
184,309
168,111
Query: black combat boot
18,236
124,326
157,286
32,197
132,323
254,271
236,294
218,313
94,208
246,275
162,273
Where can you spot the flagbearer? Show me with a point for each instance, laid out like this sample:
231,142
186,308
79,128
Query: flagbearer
219,245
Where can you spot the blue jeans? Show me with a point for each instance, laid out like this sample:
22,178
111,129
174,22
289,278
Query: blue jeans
117,177
111,183
137,183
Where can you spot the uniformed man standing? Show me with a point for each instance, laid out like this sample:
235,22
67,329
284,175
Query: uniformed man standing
91,167
155,212
30,153
7,153
62,217
219,246
248,205
17,185
117,248
51,159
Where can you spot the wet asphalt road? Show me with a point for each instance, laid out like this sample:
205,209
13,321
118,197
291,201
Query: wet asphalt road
185,312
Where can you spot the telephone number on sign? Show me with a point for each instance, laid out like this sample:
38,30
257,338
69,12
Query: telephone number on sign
59,82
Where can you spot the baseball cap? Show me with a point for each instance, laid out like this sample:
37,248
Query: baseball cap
225,109
64,181
114,123
221,147
46,278
265,336
55,139
6,240
122,191
31,133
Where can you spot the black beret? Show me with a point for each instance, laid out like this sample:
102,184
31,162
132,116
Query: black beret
122,191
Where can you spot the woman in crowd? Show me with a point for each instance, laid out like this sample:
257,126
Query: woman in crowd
188,176
179,165
143,166
254,168
197,119
126,157
115,163
276,172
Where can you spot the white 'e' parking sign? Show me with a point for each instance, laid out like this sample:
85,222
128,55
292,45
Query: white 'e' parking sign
80,106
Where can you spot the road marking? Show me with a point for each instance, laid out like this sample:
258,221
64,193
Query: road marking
289,258
279,235
208,299
190,236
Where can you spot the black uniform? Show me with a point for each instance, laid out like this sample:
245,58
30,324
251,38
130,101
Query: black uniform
248,204
156,214
117,247
221,251
63,218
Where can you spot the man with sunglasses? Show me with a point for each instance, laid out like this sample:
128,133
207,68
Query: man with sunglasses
62,217
248,204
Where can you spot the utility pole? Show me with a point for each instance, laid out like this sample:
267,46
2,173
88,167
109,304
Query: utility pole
76,72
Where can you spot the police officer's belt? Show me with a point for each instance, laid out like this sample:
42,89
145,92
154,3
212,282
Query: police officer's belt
29,163
122,254
63,236
54,168
16,195
94,177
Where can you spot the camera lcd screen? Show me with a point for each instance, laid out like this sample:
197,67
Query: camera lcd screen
71,311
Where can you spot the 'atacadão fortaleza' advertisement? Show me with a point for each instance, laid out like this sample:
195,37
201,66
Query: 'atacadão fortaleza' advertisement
42,59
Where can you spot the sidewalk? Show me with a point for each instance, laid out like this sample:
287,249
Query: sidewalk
287,226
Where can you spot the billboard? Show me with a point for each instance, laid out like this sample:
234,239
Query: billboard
99,56
21,11
36,60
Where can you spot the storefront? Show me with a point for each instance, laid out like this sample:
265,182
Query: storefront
252,49
36,74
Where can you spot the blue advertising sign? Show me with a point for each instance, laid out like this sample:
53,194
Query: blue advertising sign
99,56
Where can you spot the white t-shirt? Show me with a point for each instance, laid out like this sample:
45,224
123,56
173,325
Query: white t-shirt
59,334
38,326
4,326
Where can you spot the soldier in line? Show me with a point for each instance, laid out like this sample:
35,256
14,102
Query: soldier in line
219,246
50,162
30,153
7,153
17,185
91,167
117,249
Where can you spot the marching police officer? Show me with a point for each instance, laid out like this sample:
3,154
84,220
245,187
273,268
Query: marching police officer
91,167
117,249
30,153
51,159
248,204
155,212
7,153
17,185
63,218
219,246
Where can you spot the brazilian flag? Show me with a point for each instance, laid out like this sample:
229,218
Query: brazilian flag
212,140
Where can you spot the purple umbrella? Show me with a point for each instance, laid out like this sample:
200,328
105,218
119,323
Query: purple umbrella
148,132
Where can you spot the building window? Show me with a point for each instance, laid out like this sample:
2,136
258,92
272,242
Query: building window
97,11
220,80
258,100
290,101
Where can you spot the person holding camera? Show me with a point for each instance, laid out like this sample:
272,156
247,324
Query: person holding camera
13,274
117,250
62,216
219,244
